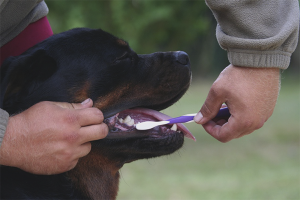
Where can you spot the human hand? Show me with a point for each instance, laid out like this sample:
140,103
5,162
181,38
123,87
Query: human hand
249,93
50,137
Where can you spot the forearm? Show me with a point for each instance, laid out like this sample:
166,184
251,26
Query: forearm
257,33
3,123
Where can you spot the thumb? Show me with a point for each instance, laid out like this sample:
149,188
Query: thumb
210,107
85,104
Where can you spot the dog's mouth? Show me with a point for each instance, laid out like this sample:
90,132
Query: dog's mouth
122,125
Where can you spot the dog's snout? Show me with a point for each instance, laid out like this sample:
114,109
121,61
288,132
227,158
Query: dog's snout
182,58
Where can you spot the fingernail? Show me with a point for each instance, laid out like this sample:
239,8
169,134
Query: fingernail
198,117
85,101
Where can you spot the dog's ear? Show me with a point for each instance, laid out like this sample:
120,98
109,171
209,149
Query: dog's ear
21,75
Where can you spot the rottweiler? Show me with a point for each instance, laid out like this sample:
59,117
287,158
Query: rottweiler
128,88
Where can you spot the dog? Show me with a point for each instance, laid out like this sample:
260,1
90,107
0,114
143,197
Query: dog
91,63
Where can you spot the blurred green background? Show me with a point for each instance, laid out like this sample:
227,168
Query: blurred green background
263,165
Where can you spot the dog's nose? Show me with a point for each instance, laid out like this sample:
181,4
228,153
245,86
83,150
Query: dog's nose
182,58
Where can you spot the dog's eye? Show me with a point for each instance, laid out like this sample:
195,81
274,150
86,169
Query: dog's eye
123,57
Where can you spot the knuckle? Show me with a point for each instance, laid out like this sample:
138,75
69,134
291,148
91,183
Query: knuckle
98,113
224,139
214,98
259,124
102,131
72,165
105,130
221,135
205,110
248,124
71,137
44,105
67,155
71,118
216,91
64,168
67,166
95,113
88,148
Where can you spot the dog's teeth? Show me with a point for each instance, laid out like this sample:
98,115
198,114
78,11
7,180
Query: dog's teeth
174,127
130,123
121,120
127,119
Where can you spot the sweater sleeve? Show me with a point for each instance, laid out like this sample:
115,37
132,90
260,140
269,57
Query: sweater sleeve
3,123
257,33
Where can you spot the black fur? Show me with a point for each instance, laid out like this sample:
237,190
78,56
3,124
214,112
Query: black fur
81,63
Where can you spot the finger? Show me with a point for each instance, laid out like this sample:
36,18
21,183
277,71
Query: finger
210,107
214,130
85,104
234,128
63,105
223,132
79,152
84,149
91,133
89,116
220,122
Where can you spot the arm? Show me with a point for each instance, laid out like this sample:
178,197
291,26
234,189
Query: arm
47,138
3,123
259,37
50,137
257,33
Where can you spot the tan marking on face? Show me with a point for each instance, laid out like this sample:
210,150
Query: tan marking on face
80,94
111,98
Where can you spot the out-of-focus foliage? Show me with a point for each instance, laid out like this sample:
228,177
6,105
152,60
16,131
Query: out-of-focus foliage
146,25
150,26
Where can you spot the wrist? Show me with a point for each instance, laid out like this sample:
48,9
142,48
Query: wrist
269,71
9,155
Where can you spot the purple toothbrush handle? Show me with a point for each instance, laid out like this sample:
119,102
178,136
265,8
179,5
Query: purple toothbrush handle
181,119
223,113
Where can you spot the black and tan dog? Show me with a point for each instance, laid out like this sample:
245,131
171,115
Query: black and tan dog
81,63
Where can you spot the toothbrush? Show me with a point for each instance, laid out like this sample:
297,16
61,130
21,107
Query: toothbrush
223,113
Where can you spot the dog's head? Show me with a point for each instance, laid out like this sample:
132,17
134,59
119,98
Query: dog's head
82,63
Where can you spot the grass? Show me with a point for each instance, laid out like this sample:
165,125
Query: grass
261,166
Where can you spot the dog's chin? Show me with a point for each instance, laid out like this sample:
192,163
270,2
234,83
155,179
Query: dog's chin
153,143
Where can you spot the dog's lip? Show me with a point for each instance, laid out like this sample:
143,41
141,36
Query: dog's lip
158,116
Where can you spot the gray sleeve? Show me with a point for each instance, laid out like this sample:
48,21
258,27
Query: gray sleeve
17,15
257,33
3,123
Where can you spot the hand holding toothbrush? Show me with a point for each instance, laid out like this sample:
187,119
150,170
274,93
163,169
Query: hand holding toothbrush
249,93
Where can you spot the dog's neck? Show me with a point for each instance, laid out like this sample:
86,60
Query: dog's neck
96,177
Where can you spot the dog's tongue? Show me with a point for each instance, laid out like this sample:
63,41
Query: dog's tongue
158,116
